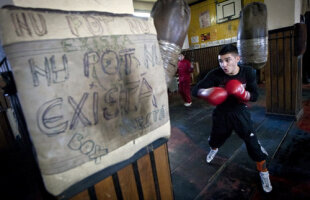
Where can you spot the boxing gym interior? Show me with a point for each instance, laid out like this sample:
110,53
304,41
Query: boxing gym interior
159,153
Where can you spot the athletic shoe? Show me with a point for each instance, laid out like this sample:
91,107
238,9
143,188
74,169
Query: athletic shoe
188,104
211,155
264,176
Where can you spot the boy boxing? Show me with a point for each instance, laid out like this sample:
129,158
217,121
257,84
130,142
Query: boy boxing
229,87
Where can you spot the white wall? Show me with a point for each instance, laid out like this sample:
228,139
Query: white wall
283,13
114,6
298,10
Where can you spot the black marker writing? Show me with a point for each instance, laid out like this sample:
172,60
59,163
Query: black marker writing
51,125
22,22
78,114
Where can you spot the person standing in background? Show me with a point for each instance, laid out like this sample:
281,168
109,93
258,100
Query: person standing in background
184,70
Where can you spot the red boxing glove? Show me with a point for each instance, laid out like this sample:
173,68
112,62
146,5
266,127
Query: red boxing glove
235,87
214,95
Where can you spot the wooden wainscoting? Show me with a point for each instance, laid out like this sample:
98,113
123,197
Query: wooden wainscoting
283,74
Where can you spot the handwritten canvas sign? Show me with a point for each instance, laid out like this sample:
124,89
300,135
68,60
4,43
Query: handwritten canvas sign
90,84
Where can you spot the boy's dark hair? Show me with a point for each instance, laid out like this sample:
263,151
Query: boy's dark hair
228,48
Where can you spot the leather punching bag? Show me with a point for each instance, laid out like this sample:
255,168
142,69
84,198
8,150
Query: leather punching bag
171,20
252,40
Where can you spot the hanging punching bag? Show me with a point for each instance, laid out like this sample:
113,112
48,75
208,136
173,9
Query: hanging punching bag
171,20
252,40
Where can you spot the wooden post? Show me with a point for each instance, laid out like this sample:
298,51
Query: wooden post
283,75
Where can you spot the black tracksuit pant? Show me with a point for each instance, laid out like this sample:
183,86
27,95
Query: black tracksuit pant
239,121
